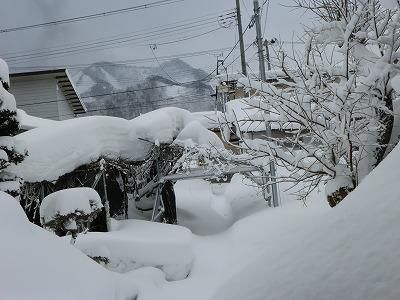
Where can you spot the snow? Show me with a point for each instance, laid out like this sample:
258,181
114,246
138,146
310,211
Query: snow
389,4
210,119
64,202
38,265
209,208
4,72
349,252
195,134
237,76
7,100
293,252
395,83
28,122
245,112
75,142
134,244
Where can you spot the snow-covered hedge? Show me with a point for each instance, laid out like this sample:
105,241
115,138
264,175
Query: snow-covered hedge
71,209
61,148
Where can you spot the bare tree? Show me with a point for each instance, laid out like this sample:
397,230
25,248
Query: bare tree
339,96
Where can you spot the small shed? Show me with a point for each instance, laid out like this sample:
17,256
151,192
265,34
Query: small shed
48,94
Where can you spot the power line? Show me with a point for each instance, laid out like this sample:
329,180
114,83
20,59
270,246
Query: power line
205,17
143,38
113,41
128,61
92,16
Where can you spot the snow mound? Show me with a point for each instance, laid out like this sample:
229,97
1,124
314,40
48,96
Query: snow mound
134,244
61,148
28,122
81,201
195,134
38,265
209,208
349,252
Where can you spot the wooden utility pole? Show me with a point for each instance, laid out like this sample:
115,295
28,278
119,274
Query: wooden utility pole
261,61
239,23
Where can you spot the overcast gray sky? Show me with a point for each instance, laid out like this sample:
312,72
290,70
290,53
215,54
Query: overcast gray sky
281,22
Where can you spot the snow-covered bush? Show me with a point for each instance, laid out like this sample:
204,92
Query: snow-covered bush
70,210
9,126
339,95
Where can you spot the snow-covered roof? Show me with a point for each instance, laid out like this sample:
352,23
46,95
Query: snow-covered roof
28,122
245,113
65,84
235,76
66,145
209,119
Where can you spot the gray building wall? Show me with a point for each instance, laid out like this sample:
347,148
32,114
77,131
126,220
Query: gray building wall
41,97
64,109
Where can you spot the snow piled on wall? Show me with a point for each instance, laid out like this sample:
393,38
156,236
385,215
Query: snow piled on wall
38,265
59,149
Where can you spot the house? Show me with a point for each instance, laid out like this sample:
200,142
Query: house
48,94
226,86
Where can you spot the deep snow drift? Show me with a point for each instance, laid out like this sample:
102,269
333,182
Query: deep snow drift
350,252
296,252
38,265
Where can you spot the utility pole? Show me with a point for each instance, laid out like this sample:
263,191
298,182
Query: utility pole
272,170
259,40
239,23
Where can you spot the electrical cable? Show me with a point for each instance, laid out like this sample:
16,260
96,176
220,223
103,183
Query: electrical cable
92,16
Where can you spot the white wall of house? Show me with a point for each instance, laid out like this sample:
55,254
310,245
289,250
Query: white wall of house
37,96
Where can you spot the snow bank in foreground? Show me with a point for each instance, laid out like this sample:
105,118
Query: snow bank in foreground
134,244
349,252
59,149
36,265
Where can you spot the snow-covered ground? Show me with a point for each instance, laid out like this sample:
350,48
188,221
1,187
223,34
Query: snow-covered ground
228,245
36,264
134,244
292,252
295,252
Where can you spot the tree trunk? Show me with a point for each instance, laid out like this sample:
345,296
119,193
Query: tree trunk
387,119
168,197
